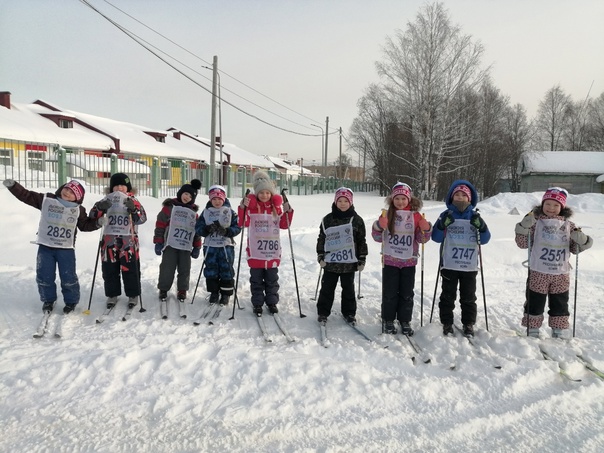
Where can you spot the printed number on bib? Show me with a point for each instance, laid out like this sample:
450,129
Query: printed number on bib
551,255
401,239
58,232
462,253
118,220
264,244
179,233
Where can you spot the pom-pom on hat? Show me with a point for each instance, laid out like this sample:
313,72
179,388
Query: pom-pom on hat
400,188
120,179
191,189
463,188
217,191
78,189
557,194
263,182
343,192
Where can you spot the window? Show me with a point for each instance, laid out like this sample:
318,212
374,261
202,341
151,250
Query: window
36,160
66,124
6,156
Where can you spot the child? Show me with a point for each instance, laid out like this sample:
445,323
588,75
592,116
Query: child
176,238
265,216
56,239
218,223
119,246
341,250
456,229
551,238
400,230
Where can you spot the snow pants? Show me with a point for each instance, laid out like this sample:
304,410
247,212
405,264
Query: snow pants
218,271
174,260
467,295
130,272
542,288
329,281
397,293
264,285
47,261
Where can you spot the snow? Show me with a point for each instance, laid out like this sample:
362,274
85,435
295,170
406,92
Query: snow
154,385
580,162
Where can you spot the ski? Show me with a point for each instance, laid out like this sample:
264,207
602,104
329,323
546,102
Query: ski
263,330
216,314
561,369
59,326
128,313
41,330
587,364
204,314
324,339
282,328
418,350
105,314
163,308
182,310
358,330
475,345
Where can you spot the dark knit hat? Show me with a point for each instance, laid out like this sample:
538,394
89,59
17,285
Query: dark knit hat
120,179
191,189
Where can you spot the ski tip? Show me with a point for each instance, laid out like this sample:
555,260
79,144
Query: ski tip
164,317
302,315
98,321
183,316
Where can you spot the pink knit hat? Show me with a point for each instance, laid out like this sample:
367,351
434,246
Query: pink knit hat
463,188
77,188
343,192
400,188
557,194
217,192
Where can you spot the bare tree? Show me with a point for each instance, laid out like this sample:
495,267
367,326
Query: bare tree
425,71
595,124
552,120
516,139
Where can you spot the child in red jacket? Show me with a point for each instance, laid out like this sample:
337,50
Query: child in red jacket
264,215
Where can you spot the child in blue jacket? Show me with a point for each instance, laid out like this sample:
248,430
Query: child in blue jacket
460,230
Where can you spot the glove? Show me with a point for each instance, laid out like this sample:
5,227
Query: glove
528,221
129,203
245,202
101,221
443,223
103,205
322,263
195,253
158,249
218,228
361,266
477,222
8,183
321,260
424,225
579,237
383,222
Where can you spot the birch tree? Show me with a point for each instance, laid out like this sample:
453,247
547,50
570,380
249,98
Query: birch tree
552,120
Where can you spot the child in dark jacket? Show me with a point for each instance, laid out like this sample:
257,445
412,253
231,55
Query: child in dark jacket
551,238
461,230
218,223
341,251
400,229
265,215
120,245
176,241
56,239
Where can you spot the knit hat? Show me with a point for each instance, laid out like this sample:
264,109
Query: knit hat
191,189
217,191
78,189
557,194
120,179
463,188
343,192
263,182
400,188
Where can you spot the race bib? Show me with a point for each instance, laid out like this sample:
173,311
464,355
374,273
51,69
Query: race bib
339,244
264,237
460,252
550,252
400,243
118,218
57,224
223,217
182,228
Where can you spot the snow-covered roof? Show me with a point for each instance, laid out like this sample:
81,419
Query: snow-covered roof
291,169
575,162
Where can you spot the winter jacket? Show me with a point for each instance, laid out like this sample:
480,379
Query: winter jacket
269,207
231,231
337,218
115,246
36,199
162,224
438,235
420,237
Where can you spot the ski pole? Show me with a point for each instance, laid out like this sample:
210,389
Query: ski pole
484,296
359,295
226,255
136,264
318,281
528,283
421,319
96,265
203,263
291,246
576,282
435,289
240,251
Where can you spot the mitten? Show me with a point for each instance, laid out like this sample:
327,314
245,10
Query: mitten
383,222
287,207
477,222
101,221
528,221
129,203
448,220
218,229
158,249
245,202
195,253
322,263
361,265
424,225
103,205
579,237
321,260
9,183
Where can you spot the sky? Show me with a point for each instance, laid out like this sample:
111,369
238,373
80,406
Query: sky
153,385
284,63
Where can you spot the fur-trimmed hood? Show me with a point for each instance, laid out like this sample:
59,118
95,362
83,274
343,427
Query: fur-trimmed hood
565,212
175,202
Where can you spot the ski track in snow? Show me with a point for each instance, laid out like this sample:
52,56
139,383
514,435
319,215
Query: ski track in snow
156,385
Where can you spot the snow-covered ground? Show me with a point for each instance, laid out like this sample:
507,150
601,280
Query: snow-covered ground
152,385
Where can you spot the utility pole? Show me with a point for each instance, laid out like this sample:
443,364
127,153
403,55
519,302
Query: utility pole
326,139
213,123
340,152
